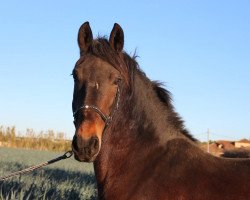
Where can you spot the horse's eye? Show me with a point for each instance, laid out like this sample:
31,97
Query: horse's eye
117,81
74,75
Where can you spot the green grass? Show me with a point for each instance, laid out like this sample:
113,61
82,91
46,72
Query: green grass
66,179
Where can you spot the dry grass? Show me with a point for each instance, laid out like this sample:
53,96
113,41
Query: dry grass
48,140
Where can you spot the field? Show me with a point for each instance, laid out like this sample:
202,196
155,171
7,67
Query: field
48,140
67,179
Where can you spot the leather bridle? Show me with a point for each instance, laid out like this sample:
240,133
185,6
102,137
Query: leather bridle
106,118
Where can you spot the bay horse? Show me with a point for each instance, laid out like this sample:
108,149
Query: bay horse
127,126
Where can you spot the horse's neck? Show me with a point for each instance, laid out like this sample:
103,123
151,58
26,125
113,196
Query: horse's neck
137,136
153,114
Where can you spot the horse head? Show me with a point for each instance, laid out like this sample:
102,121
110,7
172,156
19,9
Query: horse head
96,90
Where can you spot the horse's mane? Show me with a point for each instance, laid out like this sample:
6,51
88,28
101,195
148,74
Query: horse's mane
165,97
127,66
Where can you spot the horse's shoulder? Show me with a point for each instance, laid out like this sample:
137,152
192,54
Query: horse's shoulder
181,144
185,150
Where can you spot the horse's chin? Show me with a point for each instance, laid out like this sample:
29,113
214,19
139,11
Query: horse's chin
82,158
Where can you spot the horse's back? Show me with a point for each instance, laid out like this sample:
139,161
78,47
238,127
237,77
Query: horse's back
186,172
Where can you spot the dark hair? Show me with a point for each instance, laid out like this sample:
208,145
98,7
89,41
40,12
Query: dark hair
127,65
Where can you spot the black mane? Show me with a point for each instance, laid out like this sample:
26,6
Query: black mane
165,97
127,66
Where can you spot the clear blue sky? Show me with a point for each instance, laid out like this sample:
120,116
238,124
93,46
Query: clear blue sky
199,49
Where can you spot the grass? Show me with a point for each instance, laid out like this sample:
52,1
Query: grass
67,179
48,140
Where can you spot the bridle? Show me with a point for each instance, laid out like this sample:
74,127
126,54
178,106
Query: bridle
106,118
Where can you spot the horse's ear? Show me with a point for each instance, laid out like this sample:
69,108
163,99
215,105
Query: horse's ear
116,39
85,37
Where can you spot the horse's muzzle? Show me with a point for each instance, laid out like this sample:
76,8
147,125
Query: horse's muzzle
85,150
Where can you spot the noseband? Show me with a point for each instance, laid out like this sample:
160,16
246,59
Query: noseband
106,118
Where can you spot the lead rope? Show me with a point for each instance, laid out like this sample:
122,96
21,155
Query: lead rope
68,154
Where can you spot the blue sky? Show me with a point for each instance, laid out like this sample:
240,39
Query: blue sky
199,49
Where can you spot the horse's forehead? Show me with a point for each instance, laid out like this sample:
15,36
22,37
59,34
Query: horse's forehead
89,59
94,64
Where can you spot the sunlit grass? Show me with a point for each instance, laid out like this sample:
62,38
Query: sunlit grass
48,140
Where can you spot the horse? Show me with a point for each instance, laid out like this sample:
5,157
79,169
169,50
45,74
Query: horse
236,153
127,126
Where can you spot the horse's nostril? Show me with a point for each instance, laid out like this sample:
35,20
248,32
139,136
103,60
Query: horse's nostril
87,151
94,143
